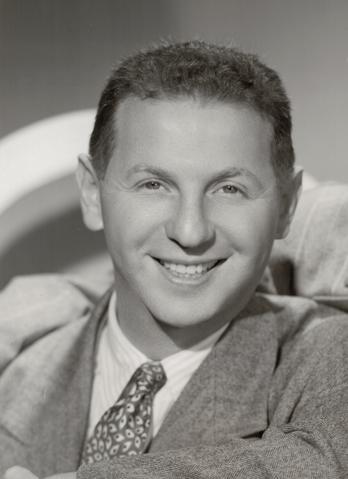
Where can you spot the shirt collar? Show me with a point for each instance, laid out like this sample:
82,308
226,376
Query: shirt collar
126,352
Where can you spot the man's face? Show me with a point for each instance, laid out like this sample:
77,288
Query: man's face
190,208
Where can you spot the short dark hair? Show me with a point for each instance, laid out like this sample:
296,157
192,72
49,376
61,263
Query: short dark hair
201,70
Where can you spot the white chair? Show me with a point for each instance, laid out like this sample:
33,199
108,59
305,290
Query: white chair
40,222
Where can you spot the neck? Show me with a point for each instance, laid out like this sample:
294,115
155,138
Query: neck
143,331
153,337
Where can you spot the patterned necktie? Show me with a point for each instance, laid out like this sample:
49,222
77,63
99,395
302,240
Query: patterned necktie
125,429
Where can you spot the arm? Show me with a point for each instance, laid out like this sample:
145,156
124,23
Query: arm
296,451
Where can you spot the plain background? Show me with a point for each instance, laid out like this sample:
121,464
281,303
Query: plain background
56,54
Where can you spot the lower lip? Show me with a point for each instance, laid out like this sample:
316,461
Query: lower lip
186,280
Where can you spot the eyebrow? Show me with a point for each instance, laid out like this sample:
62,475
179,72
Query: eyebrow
153,170
238,171
221,175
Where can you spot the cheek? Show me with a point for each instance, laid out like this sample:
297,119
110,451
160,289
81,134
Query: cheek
130,223
250,227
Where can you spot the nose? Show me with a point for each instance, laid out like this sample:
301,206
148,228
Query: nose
189,226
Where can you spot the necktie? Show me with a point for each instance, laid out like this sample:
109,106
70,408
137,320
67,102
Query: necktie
125,428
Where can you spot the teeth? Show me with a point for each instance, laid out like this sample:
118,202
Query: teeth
188,270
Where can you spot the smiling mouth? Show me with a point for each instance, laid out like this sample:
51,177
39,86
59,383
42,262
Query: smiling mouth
188,271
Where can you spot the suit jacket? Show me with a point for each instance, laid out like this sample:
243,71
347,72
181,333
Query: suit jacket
269,401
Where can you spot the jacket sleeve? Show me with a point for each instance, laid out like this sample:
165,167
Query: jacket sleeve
311,444
300,450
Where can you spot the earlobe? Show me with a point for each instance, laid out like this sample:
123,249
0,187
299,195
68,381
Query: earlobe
289,202
88,184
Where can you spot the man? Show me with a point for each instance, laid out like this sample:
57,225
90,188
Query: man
191,176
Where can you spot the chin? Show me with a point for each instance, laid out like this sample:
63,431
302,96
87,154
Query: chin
187,316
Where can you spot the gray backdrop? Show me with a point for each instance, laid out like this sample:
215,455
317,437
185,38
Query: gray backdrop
56,54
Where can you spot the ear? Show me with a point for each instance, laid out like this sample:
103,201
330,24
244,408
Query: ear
89,194
289,200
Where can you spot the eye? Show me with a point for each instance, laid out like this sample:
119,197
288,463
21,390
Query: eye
230,189
151,185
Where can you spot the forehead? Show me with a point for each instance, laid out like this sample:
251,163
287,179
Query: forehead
199,112
188,132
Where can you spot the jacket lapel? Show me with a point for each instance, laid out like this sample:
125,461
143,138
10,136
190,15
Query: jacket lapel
44,417
228,394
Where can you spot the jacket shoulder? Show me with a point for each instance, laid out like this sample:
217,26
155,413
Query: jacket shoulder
32,306
295,317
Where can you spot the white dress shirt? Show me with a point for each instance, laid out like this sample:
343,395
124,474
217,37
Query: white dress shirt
117,359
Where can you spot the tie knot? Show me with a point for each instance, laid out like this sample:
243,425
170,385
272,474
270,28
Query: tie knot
150,377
